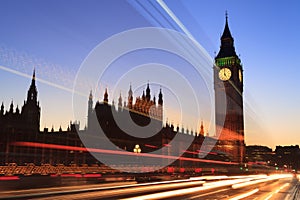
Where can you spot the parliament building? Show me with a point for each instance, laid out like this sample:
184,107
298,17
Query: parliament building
23,142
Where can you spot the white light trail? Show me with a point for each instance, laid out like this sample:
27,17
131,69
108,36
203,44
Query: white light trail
40,80
244,195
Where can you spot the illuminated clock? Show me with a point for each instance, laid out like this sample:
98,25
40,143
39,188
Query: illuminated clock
240,75
224,74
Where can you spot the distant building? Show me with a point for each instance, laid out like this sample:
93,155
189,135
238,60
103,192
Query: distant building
288,157
259,155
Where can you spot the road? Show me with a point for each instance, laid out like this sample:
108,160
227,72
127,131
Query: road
272,187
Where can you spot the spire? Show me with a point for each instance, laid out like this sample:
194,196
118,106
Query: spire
148,96
17,110
90,103
11,108
32,92
143,96
130,97
91,96
120,101
227,42
160,98
105,96
33,77
226,32
2,109
130,91
202,129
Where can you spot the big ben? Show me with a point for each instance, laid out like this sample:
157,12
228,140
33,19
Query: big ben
228,85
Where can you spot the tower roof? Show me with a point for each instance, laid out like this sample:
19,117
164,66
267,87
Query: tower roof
226,32
91,95
227,42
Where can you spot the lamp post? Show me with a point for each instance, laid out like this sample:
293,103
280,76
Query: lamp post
137,149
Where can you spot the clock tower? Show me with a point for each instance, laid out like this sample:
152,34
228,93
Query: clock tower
228,86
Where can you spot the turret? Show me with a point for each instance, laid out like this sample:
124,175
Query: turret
202,129
11,107
90,103
105,99
32,92
160,98
2,109
148,96
31,109
130,98
90,110
120,103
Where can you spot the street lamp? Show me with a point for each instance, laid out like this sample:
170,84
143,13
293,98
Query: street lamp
137,149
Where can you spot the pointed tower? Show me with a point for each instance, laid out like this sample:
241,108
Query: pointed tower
227,43
31,110
160,105
90,110
160,98
201,129
11,107
228,85
105,99
2,109
130,98
143,96
32,92
120,103
148,96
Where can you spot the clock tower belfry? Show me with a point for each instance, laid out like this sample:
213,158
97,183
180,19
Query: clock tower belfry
228,85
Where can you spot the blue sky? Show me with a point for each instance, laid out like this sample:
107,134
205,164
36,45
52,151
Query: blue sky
56,36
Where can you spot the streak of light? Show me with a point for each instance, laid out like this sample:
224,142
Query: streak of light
41,80
266,179
244,195
209,178
9,178
183,28
208,193
91,175
116,152
276,191
121,189
137,188
180,192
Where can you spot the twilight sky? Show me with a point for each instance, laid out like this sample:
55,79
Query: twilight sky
55,37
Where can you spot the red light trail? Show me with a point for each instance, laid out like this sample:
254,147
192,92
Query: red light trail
115,152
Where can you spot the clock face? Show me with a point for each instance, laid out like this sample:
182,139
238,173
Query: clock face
224,74
240,75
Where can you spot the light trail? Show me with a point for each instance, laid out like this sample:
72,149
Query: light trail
265,179
183,28
116,152
40,80
180,192
244,195
276,191
118,189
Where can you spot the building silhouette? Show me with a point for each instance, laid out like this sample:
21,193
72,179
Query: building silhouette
26,120
23,142
228,85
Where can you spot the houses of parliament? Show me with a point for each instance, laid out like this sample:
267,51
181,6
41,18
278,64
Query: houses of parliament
22,141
